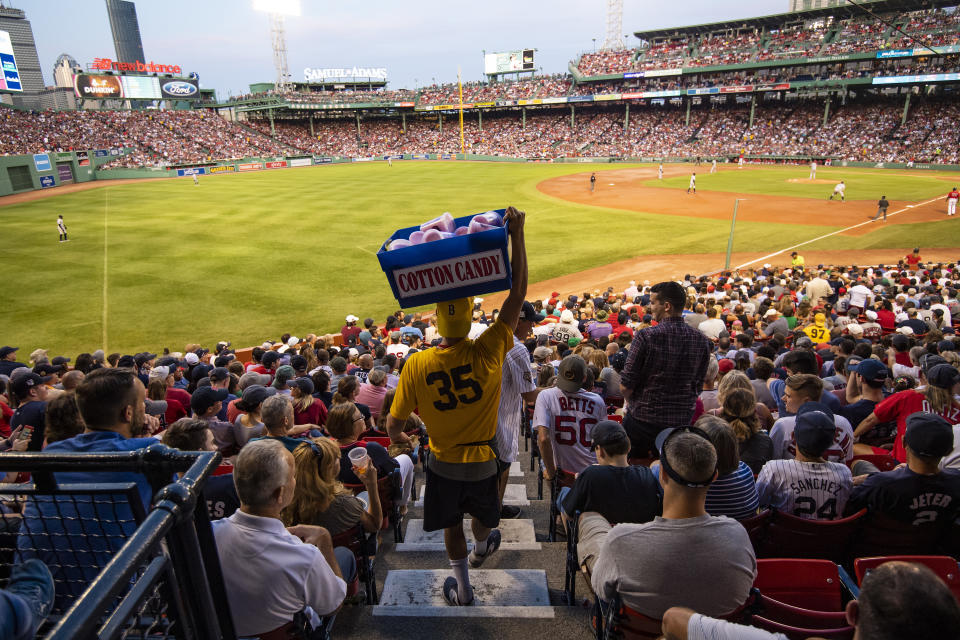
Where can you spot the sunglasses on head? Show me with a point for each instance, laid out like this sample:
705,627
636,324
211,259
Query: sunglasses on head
670,471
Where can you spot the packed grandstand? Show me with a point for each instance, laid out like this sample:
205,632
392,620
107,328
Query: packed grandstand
826,398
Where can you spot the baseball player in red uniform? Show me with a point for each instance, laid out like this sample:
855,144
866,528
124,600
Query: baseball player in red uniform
952,198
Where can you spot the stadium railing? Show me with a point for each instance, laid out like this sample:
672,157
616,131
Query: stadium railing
162,578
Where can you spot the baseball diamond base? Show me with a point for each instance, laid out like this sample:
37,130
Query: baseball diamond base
513,593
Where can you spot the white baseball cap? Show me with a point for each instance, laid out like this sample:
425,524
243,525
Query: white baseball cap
293,341
352,318
191,358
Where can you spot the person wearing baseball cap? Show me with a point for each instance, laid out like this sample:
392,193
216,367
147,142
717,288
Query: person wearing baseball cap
612,490
803,392
220,379
865,381
28,393
207,401
808,486
936,397
695,551
920,492
455,387
8,360
349,332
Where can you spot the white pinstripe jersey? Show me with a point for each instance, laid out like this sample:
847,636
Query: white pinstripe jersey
811,490
785,443
517,379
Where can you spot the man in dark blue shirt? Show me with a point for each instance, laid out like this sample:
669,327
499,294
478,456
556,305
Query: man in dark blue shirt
8,360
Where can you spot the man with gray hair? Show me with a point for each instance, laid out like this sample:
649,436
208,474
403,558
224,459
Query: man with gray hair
695,551
274,573
276,413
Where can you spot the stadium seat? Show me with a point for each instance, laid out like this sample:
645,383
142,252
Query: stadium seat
620,622
384,442
298,629
802,633
390,489
808,584
360,543
883,536
560,480
788,536
882,462
615,417
756,527
945,567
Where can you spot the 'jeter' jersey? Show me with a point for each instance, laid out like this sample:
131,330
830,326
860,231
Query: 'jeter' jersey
570,418
810,490
785,442
456,390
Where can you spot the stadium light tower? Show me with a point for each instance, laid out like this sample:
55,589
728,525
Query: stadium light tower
614,25
278,10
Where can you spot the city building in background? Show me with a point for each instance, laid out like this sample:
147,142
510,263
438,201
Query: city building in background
803,5
64,70
15,23
125,30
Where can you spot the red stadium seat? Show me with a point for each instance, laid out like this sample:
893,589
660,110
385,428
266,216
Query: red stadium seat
390,490
882,462
791,537
756,527
808,584
615,417
384,442
945,567
802,633
358,542
883,536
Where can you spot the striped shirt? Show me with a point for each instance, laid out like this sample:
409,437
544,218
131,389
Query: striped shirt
733,495
785,444
811,490
517,379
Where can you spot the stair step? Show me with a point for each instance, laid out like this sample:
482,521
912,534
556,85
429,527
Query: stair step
516,495
497,593
516,470
516,535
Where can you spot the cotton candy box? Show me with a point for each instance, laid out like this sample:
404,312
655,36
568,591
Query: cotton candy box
444,226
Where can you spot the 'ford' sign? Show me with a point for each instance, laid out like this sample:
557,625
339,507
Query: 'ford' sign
179,89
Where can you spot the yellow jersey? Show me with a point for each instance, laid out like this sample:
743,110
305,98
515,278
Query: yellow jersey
457,393
817,333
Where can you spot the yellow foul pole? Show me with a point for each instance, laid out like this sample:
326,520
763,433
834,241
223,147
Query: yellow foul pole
460,87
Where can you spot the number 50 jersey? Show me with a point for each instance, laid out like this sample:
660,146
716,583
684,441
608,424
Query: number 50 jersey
570,418
456,389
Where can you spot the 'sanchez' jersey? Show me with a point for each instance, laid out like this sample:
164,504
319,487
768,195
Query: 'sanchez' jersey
570,417
811,490
785,444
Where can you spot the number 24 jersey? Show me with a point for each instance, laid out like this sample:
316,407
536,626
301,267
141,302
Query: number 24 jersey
811,490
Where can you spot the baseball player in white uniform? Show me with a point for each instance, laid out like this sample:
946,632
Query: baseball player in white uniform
693,183
713,167
840,190
660,171
808,486
196,180
62,229
564,417
740,163
813,170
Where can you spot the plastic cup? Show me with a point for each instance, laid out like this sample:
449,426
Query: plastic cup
359,459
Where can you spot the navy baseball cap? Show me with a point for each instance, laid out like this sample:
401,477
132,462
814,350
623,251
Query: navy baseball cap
946,345
205,397
871,370
5,351
305,385
814,431
22,384
815,406
607,432
528,313
219,373
126,362
269,358
943,376
255,394
200,371
928,435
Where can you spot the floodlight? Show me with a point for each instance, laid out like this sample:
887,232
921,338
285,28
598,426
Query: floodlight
281,7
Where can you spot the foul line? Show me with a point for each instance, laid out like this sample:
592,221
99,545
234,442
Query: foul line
103,320
833,233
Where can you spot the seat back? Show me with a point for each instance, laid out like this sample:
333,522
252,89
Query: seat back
882,462
756,527
782,613
382,441
804,583
615,417
945,567
884,536
791,537
802,633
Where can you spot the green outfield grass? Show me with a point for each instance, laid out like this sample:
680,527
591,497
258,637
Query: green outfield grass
862,184
247,257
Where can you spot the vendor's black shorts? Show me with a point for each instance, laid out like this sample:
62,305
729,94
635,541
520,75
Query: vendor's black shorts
446,501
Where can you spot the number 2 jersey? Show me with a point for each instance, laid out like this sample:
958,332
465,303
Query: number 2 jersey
811,490
456,390
570,417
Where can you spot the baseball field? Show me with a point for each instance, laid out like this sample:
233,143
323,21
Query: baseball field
244,257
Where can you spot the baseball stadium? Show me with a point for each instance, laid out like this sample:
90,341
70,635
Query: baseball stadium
727,254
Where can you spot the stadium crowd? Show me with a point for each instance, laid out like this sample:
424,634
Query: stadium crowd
803,383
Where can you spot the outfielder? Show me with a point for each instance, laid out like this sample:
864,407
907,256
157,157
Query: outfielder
196,180
740,163
62,229
660,171
693,183
456,389
713,167
952,198
813,170
839,190
593,181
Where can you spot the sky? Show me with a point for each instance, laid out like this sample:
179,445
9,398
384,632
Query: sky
228,44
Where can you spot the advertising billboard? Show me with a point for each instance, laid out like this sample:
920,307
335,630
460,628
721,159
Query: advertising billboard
10,81
140,87
42,162
179,89
508,61
107,87
97,87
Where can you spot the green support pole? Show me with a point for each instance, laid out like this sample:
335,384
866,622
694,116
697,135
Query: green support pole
403,120
523,114
626,118
733,224
572,121
270,113
358,122
753,108
688,113
312,134
906,109
440,121
826,111
480,119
